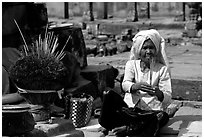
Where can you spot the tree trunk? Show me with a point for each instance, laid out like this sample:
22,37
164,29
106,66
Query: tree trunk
105,10
184,11
91,11
66,10
135,13
148,10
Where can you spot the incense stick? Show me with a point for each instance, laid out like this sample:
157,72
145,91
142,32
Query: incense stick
151,70
25,46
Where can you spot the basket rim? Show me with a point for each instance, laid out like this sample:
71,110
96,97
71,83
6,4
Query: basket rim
20,90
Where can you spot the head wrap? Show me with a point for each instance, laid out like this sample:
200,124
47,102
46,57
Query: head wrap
158,41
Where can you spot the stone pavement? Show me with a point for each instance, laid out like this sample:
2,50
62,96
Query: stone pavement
186,119
187,122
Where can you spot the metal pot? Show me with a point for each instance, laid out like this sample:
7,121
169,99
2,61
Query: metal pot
16,120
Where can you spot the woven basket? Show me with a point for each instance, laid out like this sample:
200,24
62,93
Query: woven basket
80,110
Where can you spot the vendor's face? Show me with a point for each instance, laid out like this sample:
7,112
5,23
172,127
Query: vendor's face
148,51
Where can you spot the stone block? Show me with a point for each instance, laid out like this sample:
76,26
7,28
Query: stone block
93,134
115,28
191,25
173,107
102,76
74,133
75,45
59,127
92,28
83,86
191,33
182,118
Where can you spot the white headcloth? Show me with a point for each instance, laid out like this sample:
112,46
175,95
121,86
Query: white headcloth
158,41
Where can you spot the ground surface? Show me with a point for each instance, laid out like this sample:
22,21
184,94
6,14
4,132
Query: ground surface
184,54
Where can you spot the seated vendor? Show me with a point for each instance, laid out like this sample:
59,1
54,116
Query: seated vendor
147,86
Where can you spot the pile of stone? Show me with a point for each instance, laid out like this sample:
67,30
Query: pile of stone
107,44
193,27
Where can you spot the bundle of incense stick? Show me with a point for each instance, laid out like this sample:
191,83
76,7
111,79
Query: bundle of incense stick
152,62
44,47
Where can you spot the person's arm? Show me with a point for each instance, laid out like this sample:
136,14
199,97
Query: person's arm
165,84
129,84
11,98
129,77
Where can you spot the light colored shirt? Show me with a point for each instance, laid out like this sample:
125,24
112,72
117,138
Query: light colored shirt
158,76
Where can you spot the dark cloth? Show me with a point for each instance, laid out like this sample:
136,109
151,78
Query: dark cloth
110,112
112,116
14,124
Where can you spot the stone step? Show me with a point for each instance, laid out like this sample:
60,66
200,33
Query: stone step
182,120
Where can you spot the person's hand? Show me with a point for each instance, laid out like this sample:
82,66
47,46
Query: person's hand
143,86
120,131
159,94
152,91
